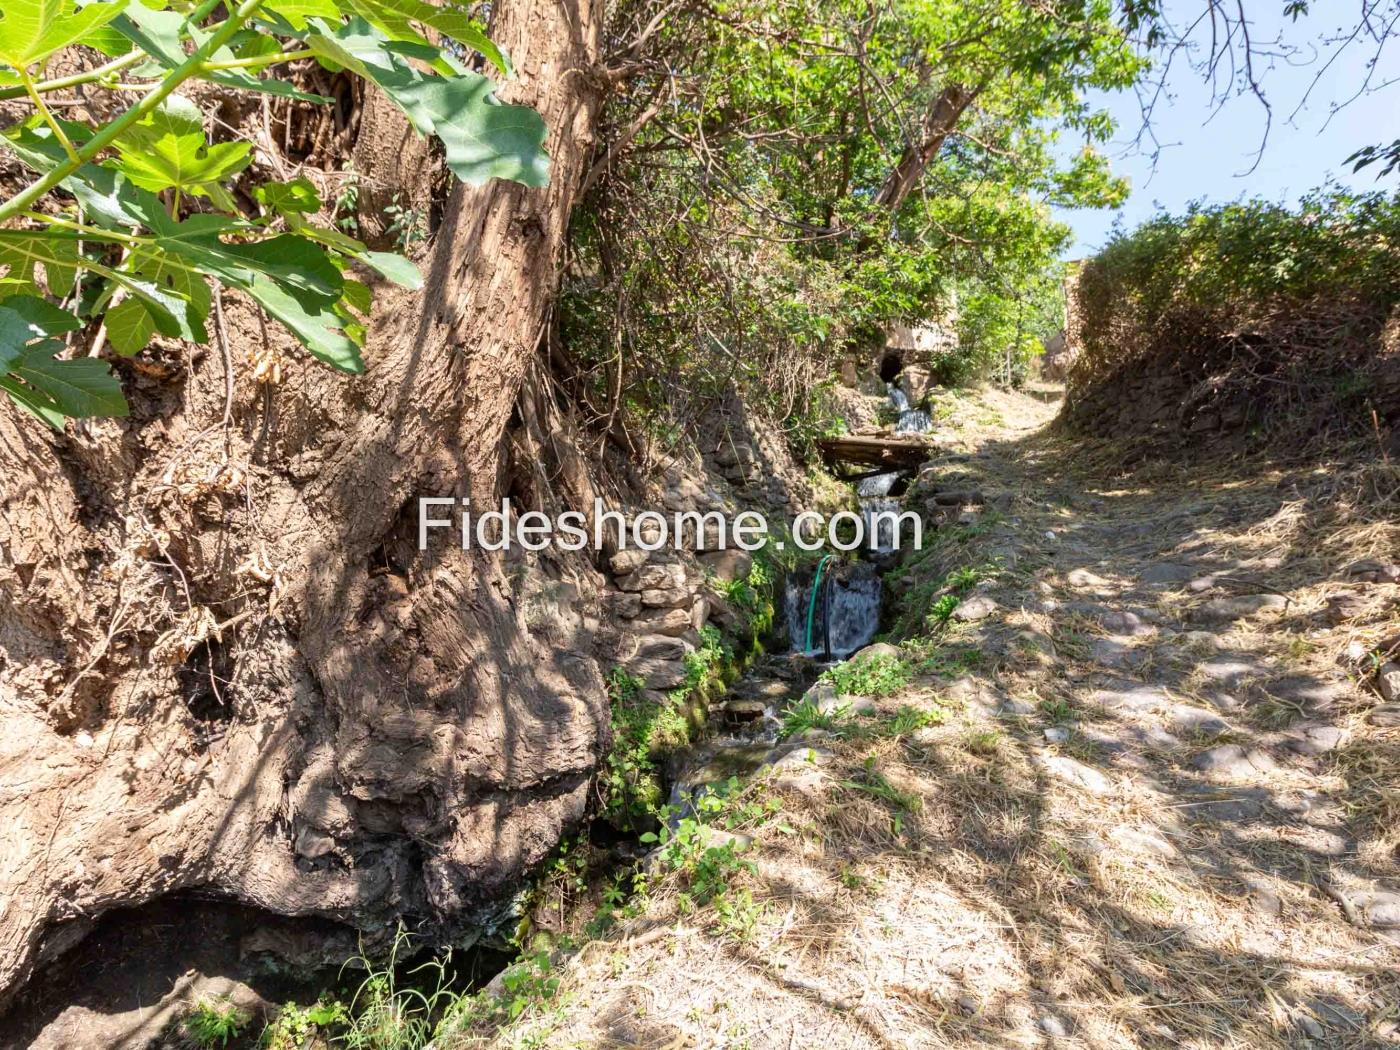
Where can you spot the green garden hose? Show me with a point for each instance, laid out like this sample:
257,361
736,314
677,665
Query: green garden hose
812,605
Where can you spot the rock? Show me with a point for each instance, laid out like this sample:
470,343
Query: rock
1382,909
1387,715
1188,719
1167,572
878,651
1262,897
668,598
626,561
1388,682
655,646
1304,691
1014,708
1142,840
1230,671
312,843
732,564
1373,571
1225,610
658,673
1315,740
1086,580
1073,772
1344,607
653,576
673,622
770,690
1232,760
743,710
1057,734
1123,621
1131,698
1108,652
978,607
718,838
624,605
1203,641
699,612
802,770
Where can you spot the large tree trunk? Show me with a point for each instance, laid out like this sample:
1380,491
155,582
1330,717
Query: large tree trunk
223,664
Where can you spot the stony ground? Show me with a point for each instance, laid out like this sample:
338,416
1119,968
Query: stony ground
1161,807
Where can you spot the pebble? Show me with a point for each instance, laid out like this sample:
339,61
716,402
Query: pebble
1315,740
1234,761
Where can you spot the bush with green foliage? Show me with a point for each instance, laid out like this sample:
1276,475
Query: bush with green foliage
131,225
1279,312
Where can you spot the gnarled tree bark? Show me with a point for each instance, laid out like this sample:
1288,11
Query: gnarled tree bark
223,664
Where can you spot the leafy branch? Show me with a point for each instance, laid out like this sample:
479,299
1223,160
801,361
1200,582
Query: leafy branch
127,220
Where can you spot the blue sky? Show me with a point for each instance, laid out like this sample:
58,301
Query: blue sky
1207,151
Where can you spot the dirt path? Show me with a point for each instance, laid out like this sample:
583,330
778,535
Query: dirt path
1156,806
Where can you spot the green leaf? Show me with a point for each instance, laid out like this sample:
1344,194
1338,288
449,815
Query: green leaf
108,199
80,388
31,30
357,297
33,402
42,316
161,34
395,19
318,326
396,268
167,150
26,253
483,138
296,12
15,332
129,327
298,197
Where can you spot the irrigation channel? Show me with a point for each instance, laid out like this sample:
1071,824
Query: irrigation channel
831,611
136,972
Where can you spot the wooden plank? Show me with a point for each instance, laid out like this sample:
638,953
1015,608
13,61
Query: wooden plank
891,452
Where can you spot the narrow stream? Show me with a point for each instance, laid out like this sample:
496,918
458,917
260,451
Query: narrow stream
831,610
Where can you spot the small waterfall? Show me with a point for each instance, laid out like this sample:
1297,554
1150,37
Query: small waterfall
911,420
845,615
877,485
879,535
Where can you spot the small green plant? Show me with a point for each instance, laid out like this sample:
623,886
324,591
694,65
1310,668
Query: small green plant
213,1022
807,714
700,849
295,1026
982,741
942,610
406,223
874,676
909,719
527,982
1057,710
347,200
